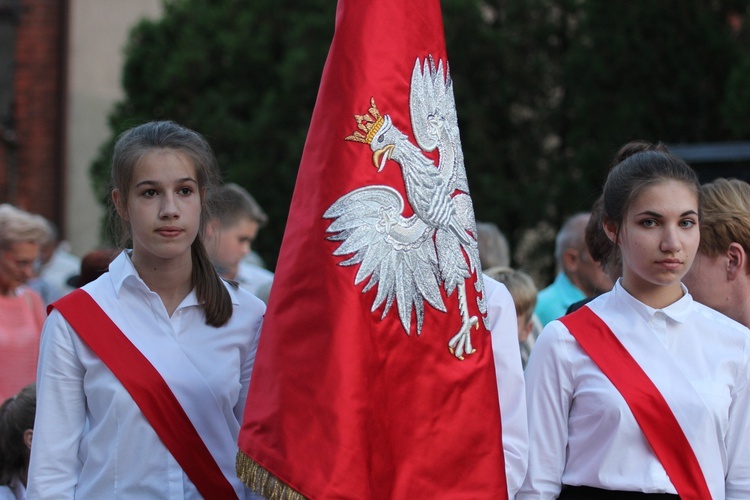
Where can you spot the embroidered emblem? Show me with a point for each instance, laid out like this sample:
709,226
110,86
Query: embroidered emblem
411,258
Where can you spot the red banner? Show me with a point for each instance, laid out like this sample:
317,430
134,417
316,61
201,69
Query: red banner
374,376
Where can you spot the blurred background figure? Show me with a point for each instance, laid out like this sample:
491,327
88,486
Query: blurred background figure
235,219
494,249
16,432
579,276
93,265
22,311
58,265
720,274
523,290
495,253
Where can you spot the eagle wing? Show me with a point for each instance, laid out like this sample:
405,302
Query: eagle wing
394,252
435,125
433,115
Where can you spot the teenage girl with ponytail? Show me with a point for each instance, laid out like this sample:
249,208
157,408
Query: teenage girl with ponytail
143,373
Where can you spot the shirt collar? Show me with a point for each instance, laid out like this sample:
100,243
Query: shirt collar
121,269
123,272
677,311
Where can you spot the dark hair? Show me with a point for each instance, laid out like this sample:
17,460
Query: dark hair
597,242
16,416
634,147
130,148
638,165
93,265
600,247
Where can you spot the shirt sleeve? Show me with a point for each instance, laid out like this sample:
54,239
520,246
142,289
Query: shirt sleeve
738,435
510,384
549,390
248,362
60,414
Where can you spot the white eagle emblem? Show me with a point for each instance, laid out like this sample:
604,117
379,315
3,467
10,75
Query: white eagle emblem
410,258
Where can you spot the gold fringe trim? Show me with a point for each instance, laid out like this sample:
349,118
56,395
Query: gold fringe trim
261,481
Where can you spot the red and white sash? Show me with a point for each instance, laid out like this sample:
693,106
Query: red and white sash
649,407
149,390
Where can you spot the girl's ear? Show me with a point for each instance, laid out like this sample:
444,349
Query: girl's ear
28,434
610,228
119,202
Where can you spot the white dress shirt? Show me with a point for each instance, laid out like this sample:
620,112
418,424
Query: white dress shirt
255,279
501,313
90,438
581,429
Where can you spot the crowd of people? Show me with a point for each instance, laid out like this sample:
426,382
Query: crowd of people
634,359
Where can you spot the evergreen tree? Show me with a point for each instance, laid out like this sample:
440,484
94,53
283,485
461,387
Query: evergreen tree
644,70
546,91
245,75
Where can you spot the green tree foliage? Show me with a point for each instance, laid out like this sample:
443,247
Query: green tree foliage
736,104
244,74
546,91
505,61
645,70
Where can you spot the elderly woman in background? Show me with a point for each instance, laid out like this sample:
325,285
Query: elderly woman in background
21,309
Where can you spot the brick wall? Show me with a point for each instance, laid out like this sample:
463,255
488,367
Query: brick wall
36,159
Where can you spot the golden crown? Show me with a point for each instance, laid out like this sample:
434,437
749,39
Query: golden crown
368,125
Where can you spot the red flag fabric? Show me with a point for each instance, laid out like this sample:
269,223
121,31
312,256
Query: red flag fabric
374,375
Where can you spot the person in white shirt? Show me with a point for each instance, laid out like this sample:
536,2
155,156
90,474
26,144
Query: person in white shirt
501,314
523,291
585,439
94,433
234,223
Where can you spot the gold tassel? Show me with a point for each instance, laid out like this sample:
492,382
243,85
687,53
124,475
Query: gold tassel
261,481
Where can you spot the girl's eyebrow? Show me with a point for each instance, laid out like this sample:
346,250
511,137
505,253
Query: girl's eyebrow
148,182
656,214
651,213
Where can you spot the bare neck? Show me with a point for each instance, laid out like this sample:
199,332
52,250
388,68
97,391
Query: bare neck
171,280
741,310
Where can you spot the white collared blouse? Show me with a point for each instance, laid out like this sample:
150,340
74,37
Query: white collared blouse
581,430
90,438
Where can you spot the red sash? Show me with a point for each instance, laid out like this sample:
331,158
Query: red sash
149,391
649,407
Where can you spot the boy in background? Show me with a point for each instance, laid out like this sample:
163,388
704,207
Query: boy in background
522,289
235,219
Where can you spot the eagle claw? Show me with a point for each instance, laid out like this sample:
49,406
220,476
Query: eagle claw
460,344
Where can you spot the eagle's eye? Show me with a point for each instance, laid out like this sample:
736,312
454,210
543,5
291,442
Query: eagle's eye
380,139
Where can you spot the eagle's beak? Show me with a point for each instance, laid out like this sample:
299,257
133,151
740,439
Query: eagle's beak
382,155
